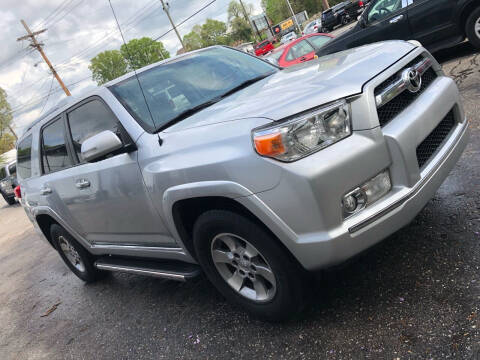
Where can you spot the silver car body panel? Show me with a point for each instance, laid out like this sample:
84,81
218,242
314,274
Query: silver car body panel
210,154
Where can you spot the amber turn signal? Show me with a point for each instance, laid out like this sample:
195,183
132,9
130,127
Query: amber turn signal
269,145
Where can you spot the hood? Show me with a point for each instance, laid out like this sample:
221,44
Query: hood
299,88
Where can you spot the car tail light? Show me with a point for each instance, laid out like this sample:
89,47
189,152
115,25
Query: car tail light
18,192
360,3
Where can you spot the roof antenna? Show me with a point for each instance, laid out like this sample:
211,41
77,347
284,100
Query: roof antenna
160,141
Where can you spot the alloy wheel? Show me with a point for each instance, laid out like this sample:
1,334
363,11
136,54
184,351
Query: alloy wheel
243,267
477,27
71,254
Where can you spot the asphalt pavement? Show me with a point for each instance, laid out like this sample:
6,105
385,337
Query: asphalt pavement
414,296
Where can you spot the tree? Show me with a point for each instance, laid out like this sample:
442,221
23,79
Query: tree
241,30
239,21
7,140
108,65
143,52
193,39
214,32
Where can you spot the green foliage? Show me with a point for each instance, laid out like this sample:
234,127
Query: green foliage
108,65
214,32
277,10
241,30
193,39
7,142
137,53
143,52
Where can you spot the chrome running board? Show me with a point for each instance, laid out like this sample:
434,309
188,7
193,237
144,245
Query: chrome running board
172,270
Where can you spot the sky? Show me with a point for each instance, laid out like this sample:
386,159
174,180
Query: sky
77,30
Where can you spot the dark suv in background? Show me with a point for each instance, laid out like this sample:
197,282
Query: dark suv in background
342,14
437,24
8,181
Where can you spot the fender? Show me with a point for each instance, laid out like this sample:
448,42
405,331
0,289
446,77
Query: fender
233,191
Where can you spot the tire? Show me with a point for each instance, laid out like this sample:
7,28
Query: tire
281,301
344,20
472,28
9,200
66,246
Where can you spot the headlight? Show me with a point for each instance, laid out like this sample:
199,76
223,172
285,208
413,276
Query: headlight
305,133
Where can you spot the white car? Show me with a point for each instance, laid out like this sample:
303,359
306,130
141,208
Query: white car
288,37
313,27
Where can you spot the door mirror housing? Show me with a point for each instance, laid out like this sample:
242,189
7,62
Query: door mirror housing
100,145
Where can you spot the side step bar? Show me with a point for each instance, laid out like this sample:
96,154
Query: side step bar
173,270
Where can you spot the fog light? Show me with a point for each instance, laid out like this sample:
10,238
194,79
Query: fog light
366,194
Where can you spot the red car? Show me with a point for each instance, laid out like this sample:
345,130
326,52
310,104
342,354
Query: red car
263,48
303,49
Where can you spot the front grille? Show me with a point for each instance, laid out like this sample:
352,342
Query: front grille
433,141
394,107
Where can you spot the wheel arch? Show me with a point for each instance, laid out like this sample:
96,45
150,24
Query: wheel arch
467,9
182,207
45,222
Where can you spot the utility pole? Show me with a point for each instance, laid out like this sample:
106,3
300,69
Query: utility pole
35,44
165,8
294,17
13,132
250,22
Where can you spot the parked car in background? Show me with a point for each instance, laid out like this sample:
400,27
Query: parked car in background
335,16
8,181
263,47
354,8
253,173
437,24
246,47
301,50
312,27
288,37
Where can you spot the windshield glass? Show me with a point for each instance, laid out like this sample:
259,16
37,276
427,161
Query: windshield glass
175,87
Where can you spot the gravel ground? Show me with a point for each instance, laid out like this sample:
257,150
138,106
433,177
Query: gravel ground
416,295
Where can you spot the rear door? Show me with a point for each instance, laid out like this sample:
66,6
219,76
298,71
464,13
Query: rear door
384,20
431,21
298,53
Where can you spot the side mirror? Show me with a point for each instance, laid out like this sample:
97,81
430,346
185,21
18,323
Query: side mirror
100,145
362,22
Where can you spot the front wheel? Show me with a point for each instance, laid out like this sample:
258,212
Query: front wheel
9,200
248,265
473,28
74,255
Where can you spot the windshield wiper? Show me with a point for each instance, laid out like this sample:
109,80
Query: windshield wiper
183,115
244,84
188,113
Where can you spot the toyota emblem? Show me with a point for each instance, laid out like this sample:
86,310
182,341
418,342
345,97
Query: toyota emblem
412,79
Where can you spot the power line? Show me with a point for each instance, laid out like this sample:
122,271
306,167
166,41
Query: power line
48,97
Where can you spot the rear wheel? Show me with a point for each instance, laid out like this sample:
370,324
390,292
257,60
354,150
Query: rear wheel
473,28
9,200
248,266
79,260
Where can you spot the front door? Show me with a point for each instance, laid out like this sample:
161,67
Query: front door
432,21
383,20
108,198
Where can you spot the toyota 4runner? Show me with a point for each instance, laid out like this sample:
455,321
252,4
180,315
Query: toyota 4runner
220,162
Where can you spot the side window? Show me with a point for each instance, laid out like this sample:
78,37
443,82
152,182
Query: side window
12,169
55,156
24,158
383,9
319,40
90,119
299,50
3,172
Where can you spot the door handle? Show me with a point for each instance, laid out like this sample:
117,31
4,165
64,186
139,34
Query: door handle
82,184
45,191
396,19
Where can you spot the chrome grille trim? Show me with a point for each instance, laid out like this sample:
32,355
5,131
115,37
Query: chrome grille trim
400,85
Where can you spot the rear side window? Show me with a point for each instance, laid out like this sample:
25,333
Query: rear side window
24,158
55,156
299,50
319,40
90,119
3,172
12,169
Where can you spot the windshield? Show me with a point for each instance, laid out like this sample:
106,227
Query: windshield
262,44
274,57
184,84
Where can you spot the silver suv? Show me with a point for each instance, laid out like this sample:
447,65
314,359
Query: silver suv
8,182
219,161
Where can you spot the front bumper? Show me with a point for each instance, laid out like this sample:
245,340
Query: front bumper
307,200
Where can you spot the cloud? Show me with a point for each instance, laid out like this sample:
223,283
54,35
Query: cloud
77,31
